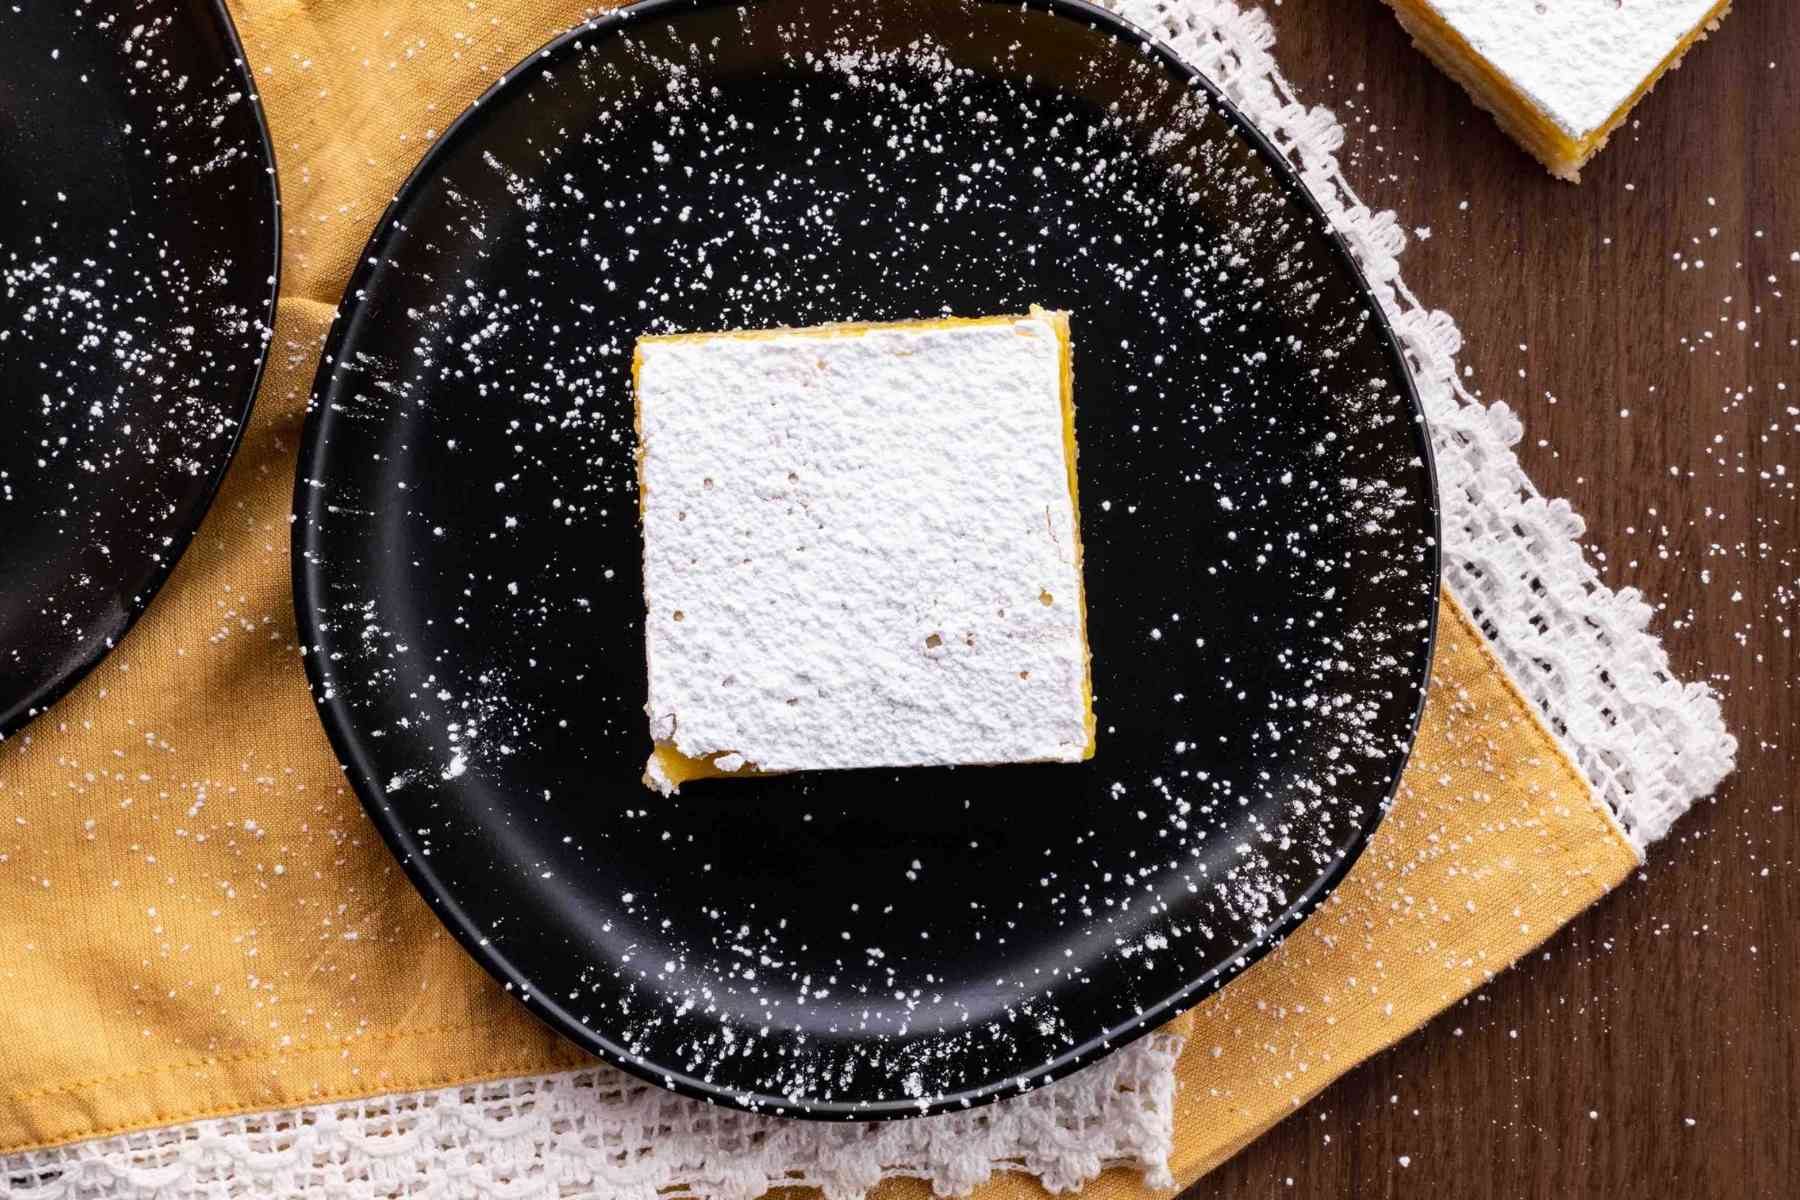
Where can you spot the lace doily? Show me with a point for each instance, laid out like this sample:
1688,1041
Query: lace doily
602,1133
1649,744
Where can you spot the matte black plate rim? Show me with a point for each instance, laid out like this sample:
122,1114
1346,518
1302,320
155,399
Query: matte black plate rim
33,704
365,780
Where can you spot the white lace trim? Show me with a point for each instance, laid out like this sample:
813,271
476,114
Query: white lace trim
1649,744
603,1134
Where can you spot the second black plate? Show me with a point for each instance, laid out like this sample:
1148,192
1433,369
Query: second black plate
1257,509
138,262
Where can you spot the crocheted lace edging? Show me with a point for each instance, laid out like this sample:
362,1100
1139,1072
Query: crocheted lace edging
602,1133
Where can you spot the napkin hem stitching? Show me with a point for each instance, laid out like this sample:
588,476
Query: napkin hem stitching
1561,755
229,1060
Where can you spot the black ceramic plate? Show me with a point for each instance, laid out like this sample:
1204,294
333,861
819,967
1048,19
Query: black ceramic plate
138,259
1257,508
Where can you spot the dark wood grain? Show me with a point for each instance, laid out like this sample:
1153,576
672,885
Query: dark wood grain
1677,999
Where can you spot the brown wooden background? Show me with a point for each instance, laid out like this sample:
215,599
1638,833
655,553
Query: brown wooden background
1576,1073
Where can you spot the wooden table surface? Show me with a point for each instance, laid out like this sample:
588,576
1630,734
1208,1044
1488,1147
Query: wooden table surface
1653,1047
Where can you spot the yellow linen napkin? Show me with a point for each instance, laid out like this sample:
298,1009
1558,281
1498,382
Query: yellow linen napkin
197,919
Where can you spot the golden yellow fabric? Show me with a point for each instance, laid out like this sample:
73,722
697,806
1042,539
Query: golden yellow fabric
197,919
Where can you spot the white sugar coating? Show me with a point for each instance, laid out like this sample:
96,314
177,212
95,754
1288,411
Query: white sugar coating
860,548
1578,61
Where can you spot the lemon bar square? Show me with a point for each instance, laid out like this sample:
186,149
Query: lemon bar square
861,548
1558,75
